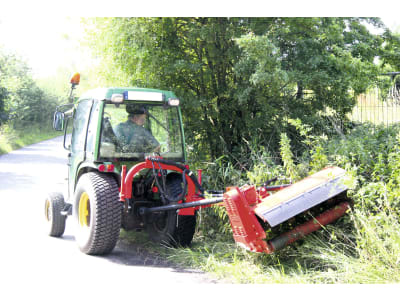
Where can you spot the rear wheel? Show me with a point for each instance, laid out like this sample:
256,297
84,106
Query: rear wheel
55,221
97,213
169,227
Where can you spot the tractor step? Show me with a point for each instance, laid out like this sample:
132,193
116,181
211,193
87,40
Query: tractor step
67,210
301,196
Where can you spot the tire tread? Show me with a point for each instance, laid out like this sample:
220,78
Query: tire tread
105,232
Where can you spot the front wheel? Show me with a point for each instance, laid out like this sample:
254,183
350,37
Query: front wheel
97,213
55,221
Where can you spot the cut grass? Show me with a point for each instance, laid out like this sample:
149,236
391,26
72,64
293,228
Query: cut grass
225,261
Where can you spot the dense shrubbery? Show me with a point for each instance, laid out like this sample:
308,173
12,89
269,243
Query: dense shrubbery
22,102
25,109
361,247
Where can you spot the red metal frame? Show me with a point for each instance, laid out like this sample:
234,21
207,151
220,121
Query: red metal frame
127,179
247,231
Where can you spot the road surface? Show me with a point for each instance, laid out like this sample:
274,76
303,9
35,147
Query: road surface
41,267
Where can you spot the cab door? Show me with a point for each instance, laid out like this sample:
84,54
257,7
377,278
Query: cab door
78,142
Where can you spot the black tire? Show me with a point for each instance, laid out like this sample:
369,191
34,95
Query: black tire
97,213
168,227
184,231
55,221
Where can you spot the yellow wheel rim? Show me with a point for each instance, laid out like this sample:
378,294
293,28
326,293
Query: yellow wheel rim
47,210
84,210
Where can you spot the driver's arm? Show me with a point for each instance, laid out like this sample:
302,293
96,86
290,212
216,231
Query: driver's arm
152,142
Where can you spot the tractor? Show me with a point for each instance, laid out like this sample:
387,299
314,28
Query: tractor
127,169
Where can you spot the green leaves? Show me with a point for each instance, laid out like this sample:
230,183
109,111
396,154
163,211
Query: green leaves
262,58
21,100
241,77
287,158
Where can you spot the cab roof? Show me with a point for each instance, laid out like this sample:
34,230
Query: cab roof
106,93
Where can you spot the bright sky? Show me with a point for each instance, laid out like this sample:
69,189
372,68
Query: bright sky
49,40
46,43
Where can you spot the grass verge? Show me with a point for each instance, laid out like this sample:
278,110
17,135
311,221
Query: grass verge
12,139
357,249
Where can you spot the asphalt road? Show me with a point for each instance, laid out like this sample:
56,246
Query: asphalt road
41,267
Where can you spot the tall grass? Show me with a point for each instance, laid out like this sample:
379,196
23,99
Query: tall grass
12,138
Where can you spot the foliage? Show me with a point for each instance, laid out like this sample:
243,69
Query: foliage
22,102
241,78
12,138
391,55
287,157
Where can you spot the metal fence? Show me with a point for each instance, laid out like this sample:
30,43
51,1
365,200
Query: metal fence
377,107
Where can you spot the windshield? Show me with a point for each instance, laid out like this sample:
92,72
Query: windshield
133,131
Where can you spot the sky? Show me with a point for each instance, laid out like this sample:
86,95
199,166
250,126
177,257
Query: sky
49,40
45,43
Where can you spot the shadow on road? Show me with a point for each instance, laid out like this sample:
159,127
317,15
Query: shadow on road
133,254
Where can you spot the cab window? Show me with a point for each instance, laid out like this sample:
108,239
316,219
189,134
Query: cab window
80,125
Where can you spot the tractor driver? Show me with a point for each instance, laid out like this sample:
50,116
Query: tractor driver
133,136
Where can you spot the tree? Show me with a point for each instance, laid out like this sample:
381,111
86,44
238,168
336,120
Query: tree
391,55
21,100
3,94
241,78
3,112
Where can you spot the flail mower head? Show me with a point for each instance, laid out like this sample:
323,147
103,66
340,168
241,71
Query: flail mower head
249,209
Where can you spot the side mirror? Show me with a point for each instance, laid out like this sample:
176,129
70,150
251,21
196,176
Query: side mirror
58,121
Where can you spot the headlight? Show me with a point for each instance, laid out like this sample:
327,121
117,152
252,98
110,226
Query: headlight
173,102
117,98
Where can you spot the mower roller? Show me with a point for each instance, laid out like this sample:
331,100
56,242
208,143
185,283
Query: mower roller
126,169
